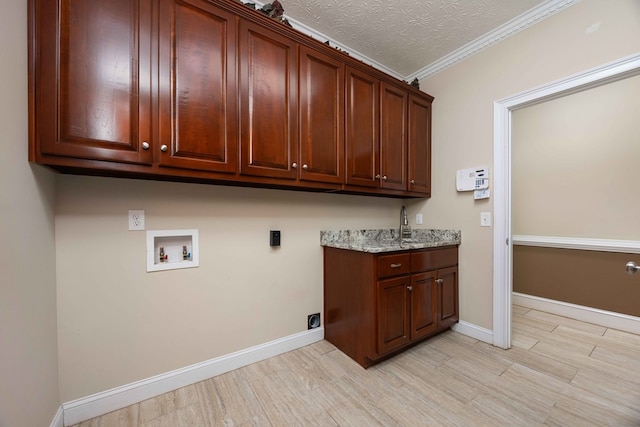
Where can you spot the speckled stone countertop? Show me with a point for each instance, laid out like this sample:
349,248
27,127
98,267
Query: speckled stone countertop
387,240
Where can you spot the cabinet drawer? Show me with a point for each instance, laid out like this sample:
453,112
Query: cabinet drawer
434,259
394,265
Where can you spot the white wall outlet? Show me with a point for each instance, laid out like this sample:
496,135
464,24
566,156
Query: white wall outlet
419,219
485,219
136,220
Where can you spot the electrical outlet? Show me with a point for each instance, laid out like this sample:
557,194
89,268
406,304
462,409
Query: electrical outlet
136,220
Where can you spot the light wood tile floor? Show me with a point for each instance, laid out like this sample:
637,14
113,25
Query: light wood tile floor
560,372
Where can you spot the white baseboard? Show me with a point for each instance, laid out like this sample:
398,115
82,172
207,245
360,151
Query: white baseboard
474,331
609,319
58,419
104,402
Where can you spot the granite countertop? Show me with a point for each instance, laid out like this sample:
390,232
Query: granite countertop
387,240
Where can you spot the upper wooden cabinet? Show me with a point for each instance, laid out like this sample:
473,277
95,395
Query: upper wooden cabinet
388,137
321,103
393,137
419,145
92,79
363,124
197,87
268,103
213,91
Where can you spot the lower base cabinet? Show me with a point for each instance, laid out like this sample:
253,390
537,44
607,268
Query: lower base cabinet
376,305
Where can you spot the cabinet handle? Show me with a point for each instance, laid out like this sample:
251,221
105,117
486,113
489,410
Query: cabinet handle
409,288
413,181
439,281
398,265
145,145
163,148
378,176
294,165
305,167
384,177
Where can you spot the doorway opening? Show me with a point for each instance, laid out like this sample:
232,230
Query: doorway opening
502,236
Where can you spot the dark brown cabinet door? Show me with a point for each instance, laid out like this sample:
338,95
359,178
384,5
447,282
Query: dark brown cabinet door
424,318
93,79
321,105
393,137
448,296
393,314
419,145
197,86
268,103
362,137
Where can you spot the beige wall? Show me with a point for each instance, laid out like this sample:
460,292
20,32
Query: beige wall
118,323
558,47
575,164
28,349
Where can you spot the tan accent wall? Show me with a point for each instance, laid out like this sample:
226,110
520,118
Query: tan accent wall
563,45
589,278
28,345
118,324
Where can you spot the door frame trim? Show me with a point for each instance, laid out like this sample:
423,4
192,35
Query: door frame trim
502,109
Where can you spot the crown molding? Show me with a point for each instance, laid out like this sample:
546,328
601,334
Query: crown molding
526,20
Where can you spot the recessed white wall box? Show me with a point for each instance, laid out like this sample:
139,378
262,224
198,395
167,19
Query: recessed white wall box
172,249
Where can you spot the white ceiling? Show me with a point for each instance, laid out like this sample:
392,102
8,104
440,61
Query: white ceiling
415,38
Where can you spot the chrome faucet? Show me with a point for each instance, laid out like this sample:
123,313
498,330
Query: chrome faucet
405,228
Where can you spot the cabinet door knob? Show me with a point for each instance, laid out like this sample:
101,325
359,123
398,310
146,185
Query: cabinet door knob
294,165
409,288
398,265
384,177
378,176
305,167
163,148
413,181
439,281
145,145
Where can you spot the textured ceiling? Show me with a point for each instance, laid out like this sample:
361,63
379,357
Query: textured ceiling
404,36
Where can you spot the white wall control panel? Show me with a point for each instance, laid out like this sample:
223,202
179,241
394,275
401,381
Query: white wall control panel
472,179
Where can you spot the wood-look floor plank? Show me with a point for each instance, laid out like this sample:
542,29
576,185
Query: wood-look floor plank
538,362
559,372
565,321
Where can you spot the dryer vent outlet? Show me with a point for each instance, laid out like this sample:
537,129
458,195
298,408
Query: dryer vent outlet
313,321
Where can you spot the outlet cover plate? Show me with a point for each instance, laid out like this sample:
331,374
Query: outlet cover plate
136,220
